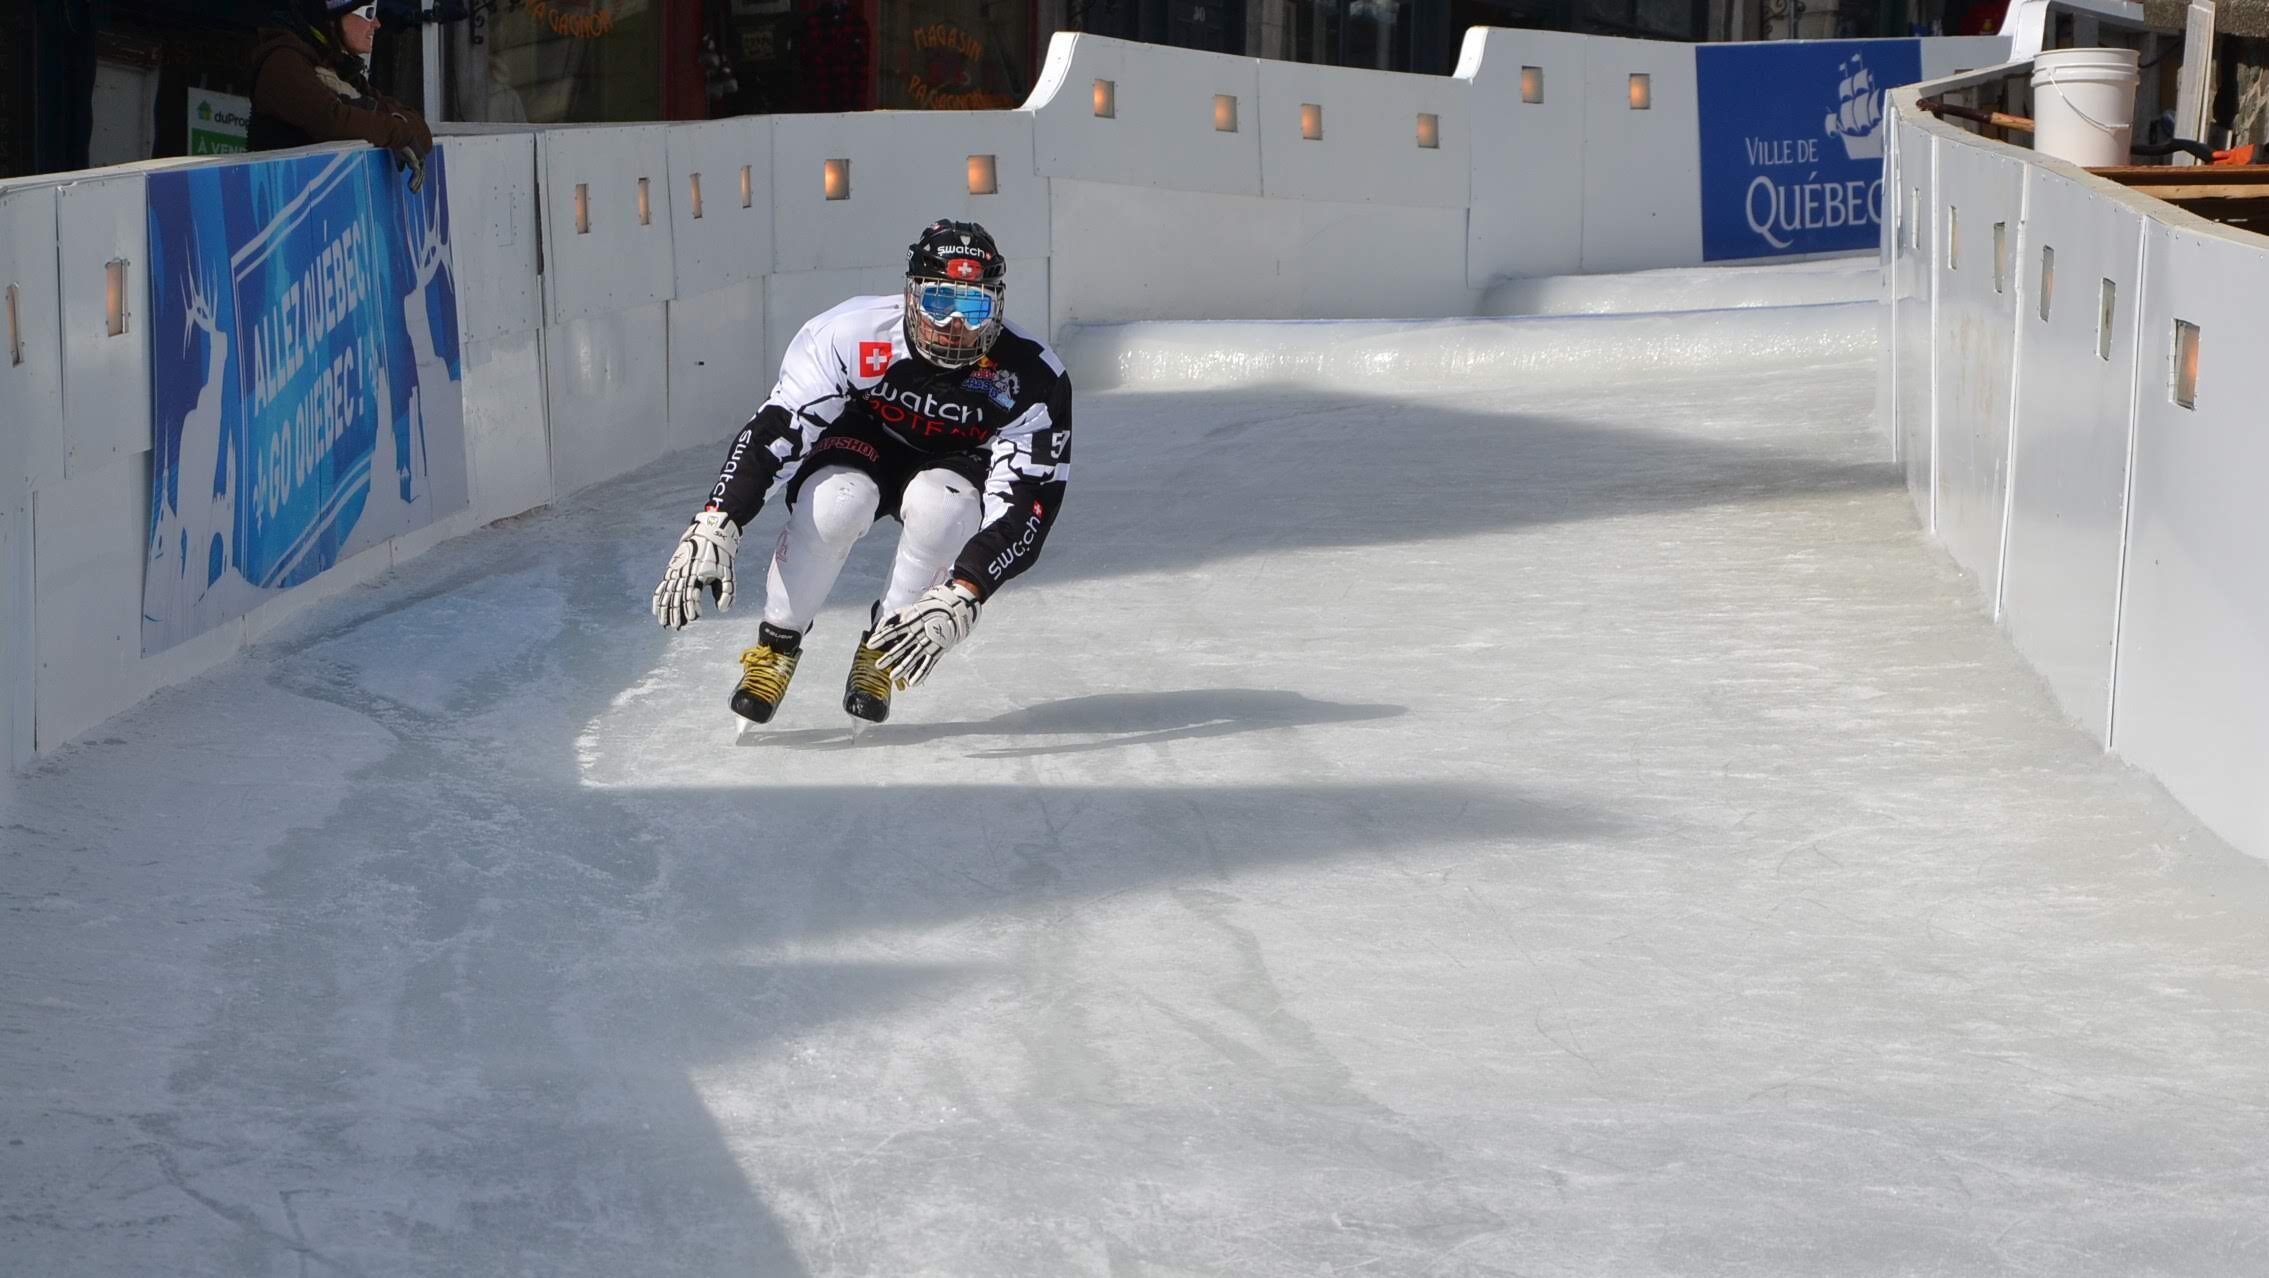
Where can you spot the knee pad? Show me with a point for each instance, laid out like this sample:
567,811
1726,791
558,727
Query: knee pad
941,503
841,504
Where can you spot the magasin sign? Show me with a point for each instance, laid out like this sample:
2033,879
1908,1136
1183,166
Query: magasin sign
1792,143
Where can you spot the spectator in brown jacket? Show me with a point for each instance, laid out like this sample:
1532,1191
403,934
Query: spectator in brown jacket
309,83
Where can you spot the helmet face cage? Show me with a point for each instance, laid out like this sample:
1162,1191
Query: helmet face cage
951,323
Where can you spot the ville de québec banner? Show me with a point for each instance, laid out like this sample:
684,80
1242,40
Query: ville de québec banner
305,377
1792,139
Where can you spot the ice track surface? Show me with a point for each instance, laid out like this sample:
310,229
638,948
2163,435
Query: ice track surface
1507,797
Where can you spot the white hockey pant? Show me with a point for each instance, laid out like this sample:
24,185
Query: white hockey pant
940,511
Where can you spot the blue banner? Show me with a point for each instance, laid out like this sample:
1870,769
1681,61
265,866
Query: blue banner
305,377
1792,143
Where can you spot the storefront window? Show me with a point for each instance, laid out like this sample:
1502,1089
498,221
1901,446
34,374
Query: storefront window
956,55
1355,33
558,62
1216,26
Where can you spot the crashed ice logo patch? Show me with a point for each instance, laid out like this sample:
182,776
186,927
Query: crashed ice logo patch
993,382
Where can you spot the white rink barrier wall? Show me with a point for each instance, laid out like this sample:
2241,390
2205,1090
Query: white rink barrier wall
2101,483
624,291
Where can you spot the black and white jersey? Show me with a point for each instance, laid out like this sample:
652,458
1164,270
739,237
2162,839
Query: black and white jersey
851,366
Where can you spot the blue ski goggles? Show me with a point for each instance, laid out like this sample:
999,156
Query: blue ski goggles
941,300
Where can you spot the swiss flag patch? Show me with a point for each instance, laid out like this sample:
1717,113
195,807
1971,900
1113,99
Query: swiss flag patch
874,358
964,268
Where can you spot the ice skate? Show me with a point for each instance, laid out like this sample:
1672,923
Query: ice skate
866,693
765,672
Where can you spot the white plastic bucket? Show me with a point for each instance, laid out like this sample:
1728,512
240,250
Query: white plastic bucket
2084,105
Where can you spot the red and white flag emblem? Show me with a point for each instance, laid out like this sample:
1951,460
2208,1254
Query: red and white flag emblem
964,268
874,358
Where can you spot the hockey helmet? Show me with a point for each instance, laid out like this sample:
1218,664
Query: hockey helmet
955,287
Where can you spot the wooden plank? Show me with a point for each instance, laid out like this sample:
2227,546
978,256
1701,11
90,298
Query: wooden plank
2139,175
2207,191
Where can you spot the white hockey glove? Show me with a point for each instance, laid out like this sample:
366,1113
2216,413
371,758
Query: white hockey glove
910,641
703,560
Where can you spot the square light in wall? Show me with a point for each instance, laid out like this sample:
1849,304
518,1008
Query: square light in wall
2000,256
748,188
2048,279
838,183
1642,91
1429,131
2186,364
984,175
2107,302
1532,84
15,329
1106,99
1224,113
1312,121
582,208
694,193
114,295
645,204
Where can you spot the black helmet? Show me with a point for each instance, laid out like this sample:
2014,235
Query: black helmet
954,292
322,11
944,247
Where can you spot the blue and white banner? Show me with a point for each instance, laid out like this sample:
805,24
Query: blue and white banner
1792,143
305,377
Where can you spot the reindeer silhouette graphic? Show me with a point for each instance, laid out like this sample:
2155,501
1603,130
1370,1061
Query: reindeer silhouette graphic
196,527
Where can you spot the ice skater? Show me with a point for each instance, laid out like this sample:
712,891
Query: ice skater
929,407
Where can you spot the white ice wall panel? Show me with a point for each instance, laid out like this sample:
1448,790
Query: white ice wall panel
908,169
1888,235
717,371
1163,134
730,241
1913,283
18,637
607,380
1368,151
1528,157
1974,352
493,233
106,379
1642,175
507,441
2068,479
31,375
87,555
2193,678
1255,260
619,262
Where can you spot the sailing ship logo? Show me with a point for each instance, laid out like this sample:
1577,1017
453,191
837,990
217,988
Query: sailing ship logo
1858,117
